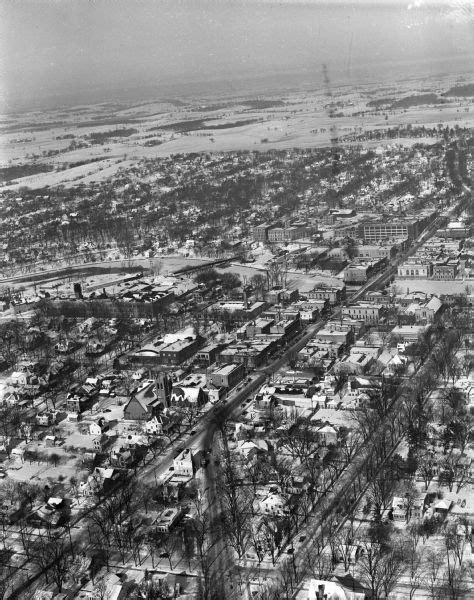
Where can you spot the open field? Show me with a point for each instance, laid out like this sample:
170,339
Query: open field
115,136
433,286
295,280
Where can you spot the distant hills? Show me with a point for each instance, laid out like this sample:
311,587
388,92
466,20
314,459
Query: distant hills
461,90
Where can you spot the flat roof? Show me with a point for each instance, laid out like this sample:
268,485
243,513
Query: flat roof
225,370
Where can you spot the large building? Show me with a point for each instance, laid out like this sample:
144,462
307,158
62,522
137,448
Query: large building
288,234
228,376
369,313
393,229
324,292
446,270
358,273
260,232
414,268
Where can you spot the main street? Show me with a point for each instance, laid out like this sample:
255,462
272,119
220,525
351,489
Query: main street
225,568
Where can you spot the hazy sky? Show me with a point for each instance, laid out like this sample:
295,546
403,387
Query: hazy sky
65,51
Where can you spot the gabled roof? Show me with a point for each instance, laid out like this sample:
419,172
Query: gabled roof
434,304
348,582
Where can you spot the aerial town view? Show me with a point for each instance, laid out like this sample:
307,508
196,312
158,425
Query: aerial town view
236,300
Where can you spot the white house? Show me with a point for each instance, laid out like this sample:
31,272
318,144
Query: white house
245,447
183,463
274,504
327,435
330,590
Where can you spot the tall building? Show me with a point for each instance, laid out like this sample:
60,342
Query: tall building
163,388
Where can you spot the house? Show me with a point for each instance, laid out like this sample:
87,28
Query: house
167,519
274,504
143,405
401,510
327,435
441,509
429,311
100,481
45,419
354,364
50,441
332,590
94,428
249,448
99,443
159,424
121,459
104,585
184,464
53,513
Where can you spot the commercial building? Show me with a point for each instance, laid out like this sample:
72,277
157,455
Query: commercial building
323,292
446,270
228,376
358,273
393,229
415,268
369,313
288,234
260,232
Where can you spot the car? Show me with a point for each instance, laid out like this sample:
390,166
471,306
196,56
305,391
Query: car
193,432
171,469
2,474
245,412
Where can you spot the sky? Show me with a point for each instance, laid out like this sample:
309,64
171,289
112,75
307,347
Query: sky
73,51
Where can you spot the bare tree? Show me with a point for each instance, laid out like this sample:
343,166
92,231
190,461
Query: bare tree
380,569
